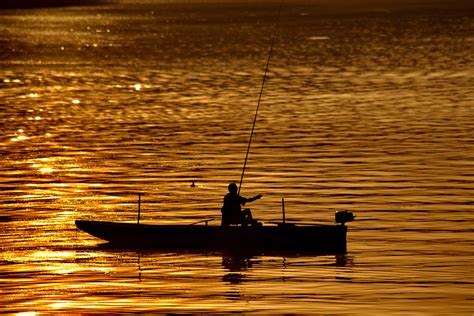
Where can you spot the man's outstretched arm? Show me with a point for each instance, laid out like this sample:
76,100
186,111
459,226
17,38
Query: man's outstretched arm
254,198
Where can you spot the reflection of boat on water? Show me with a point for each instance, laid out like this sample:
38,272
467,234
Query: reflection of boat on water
281,237
239,267
235,265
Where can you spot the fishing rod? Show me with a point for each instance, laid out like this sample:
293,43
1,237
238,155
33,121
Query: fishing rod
261,93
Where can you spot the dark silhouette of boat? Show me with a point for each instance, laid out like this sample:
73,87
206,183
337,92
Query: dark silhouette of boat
278,237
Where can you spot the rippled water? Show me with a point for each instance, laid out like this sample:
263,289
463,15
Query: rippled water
367,108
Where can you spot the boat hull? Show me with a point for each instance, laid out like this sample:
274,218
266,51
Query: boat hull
319,238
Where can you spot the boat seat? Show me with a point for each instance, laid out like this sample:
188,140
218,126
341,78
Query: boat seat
228,222
243,219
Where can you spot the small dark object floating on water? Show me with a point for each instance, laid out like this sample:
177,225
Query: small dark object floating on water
282,237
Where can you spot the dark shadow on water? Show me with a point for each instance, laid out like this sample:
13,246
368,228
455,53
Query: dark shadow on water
238,254
235,264
29,4
5,219
344,260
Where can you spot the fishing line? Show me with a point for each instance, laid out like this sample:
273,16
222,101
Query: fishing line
260,95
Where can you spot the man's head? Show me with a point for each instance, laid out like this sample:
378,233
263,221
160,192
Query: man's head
233,188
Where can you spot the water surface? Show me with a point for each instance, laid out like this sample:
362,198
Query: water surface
368,109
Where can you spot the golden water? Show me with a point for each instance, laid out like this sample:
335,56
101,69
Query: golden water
366,109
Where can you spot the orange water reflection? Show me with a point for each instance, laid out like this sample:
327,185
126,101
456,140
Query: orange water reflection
101,103
86,281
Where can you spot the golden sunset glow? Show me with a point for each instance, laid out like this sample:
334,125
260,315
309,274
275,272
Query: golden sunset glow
124,124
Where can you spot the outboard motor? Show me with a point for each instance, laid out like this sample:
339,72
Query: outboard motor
343,217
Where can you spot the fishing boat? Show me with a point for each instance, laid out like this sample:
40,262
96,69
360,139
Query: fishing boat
201,236
279,236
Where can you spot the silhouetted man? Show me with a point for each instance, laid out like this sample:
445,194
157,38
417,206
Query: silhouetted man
231,210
